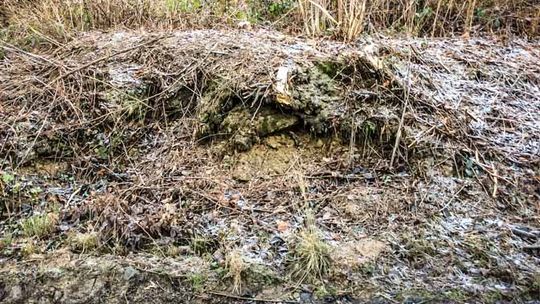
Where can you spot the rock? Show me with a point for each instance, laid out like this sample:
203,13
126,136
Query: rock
306,297
129,273
247,128
270,122
16,293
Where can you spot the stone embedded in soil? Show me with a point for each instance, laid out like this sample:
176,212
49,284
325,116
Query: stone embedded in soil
129,273
247,128
316,101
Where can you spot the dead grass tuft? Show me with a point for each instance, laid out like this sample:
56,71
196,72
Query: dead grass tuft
84,242
29,247
235,265
311,255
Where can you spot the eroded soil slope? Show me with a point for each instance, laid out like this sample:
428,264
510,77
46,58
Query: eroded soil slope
235,166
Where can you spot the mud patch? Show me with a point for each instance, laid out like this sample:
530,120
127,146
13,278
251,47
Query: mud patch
352,255
281,155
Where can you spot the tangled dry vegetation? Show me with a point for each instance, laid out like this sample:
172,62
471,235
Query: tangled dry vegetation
212,165
38,22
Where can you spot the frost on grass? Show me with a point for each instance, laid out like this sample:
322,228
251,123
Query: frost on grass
184,161
311,258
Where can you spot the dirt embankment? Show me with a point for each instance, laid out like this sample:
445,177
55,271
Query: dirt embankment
233,165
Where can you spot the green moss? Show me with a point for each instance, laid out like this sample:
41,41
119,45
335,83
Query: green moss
420,248
313,91
8,178
236,120
536,282
129,102
6,241
198,281
261,275
272,122
479,248
532,287
330,68
368,268
246,127
214,103
456,295
492,296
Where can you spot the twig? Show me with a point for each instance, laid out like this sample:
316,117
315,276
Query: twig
405,104
12,48
495,182
452,198
520,232
23,159
332,175
222,294
387,297
532,247
106,57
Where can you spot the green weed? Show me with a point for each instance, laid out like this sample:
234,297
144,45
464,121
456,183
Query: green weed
38,225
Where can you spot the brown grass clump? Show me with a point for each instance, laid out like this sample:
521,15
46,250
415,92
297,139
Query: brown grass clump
29,247
311,255
55,20
84,242
235,266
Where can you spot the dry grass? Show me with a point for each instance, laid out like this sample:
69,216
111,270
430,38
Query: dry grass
29,247
235,266
348,19
311,253
56,20
84,242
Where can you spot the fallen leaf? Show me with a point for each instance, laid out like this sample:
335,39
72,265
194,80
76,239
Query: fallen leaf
282,226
